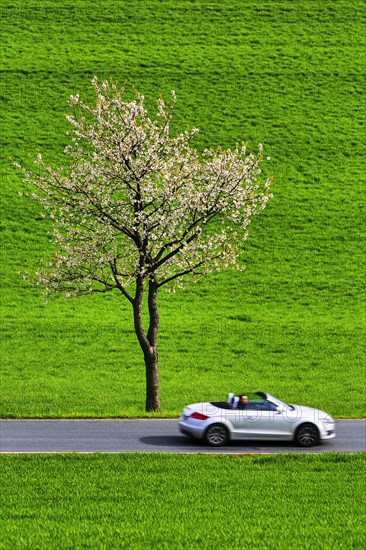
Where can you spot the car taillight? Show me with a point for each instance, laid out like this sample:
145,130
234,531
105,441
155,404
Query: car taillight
199,416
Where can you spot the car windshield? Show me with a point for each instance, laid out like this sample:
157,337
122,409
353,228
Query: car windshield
279,402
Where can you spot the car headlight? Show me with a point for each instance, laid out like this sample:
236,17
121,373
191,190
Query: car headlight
327,420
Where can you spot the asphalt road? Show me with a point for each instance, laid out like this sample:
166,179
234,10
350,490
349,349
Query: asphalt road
89,436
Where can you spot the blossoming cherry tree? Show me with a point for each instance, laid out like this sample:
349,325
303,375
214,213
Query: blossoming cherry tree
137,210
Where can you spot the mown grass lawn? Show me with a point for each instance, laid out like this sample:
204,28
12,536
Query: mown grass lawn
171,501
287,74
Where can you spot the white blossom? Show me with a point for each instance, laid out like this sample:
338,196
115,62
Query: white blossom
135,201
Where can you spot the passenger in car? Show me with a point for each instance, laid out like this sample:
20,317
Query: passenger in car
243,401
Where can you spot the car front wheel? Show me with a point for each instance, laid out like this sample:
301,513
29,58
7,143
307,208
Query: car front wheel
307,435
217,435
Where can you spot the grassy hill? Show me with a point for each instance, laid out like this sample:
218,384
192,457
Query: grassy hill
287,74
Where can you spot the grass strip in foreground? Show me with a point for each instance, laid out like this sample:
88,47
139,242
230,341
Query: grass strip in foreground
182,501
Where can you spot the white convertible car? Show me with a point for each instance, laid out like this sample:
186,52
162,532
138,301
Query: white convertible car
264,418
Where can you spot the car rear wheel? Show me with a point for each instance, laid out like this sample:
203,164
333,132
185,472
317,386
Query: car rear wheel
217,435
307,435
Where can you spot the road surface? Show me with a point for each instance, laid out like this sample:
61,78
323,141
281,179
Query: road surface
89,436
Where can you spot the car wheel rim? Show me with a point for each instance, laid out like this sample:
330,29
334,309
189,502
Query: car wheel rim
307,436
217,436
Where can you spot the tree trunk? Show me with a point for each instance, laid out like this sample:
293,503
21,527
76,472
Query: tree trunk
151,362
148,342
152,382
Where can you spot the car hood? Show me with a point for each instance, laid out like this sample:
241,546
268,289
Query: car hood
310,413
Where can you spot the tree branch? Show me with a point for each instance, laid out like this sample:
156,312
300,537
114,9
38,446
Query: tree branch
137,317
182,239
113,266
153,312
182,273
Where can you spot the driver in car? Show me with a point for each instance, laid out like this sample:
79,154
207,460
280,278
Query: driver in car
243,401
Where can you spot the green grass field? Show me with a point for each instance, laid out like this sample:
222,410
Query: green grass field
169,501
287,74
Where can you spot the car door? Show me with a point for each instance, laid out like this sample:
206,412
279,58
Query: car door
261,420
